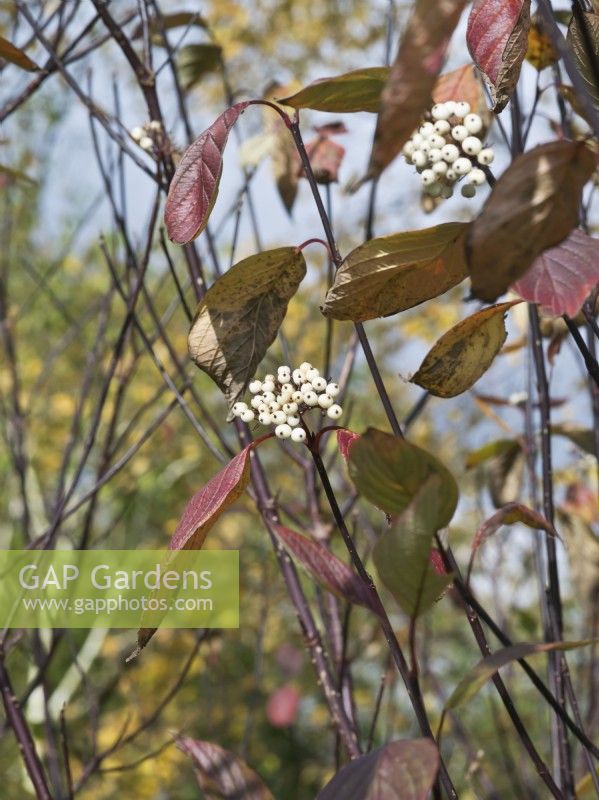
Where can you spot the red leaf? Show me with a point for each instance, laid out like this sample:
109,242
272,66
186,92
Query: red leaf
561,277
403,770
282,707
328,570
221,774
194,187
345,439
325,158
207,505
497,39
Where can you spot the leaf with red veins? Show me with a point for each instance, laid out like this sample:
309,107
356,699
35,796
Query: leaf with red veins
497,38
194,188
561,278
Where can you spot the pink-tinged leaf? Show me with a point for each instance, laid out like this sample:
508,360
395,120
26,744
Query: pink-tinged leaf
221,774
404,770
327,569
282,707
436,560
325,158
497,39
510,514
408,92
345,439
560,279
194,187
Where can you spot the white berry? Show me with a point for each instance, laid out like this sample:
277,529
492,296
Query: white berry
257,401
427,129
310,398
283,431
274,406
312,375
307,387
486,156
146,143
325,401
462,166
442,126
428,177
278,417
247,415
440,111
290,408
408,149
319,384
462,109
255,386
293,421
268,386
450,153
459,133
440,168
472,145
265,418
332,389
434,155
477,177
297,377
468,190
419,158
417,140
268,397
305,366
297,397
334,412
473,123
437,141
451,175
450,107
298,435
138,133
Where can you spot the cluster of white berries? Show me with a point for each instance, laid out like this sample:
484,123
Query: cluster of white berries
282,400
147,135
447,148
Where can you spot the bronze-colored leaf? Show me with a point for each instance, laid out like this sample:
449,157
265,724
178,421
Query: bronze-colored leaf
408,92
240,315
583,31
393,273
15,55
458,359
533,206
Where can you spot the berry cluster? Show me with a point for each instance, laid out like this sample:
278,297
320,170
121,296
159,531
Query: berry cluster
447,148
282,401
147,136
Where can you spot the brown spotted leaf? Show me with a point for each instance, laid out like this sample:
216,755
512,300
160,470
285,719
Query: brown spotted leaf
8,52
497,39
194,187
560,279
403,770
533,206
408,92
240,315
459,358
221,774
393,273
328,570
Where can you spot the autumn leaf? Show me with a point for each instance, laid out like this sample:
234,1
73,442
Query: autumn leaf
221,775
345,440
476,678
325,159
393,273
284,159
402,554
327,569
533,206
459,358
389,471
403,770
497,38
359,90
540,52
587,63
16,56
463,84
510,514
240,315
408,92
194,188
194,61
560,279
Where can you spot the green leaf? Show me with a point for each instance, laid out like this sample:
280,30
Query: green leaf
533,206
403,770
240,315
476,678
167,22
393,273
196,60
459,358
359,90
389,471
402,554
581,437
587,63
9,52
491,450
